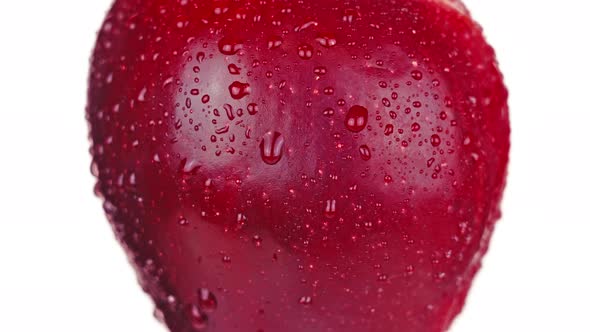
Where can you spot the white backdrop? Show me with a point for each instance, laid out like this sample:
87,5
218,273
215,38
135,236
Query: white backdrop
61,269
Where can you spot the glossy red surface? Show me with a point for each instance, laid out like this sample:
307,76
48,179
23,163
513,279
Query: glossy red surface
299,165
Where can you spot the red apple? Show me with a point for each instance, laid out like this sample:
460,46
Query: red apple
299,165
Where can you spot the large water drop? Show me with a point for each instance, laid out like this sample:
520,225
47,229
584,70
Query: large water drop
271,147
356,118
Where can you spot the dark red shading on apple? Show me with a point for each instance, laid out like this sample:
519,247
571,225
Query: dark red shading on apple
299,165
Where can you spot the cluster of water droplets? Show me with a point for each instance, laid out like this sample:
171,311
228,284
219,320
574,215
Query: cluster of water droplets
395,117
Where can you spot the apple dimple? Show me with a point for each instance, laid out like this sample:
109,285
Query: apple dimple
299,166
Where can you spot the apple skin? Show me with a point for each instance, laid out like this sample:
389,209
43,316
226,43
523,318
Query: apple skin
299,165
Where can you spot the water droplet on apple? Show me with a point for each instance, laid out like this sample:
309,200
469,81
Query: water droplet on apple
435,140
329,91
182,221
271,147
430,162
168,81
356,118
415,126
257,240
189,166
207,300
326,41
229,111
365,152
305,25
305,51
233,69
467,140
252,108
350,15
94,170
198,319
222,130
305,300
388,179
229,46
388,130
320,70
417,75
141,96
239,90
200,57
241,219
328,112
274,42
448,102
330,209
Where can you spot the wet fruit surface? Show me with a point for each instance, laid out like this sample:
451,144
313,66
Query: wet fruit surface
299,165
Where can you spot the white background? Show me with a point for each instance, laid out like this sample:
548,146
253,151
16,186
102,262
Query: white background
61,269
